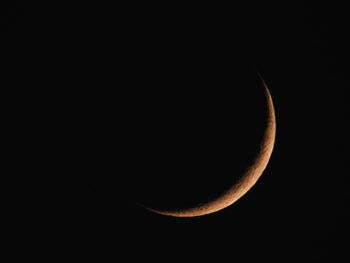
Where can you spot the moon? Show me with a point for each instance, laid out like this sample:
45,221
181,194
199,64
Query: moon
246,181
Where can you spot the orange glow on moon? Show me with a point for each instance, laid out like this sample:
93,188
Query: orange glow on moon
247,181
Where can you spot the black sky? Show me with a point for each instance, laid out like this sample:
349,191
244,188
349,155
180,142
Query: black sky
100,92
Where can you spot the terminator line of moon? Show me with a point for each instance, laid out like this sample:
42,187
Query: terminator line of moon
246,181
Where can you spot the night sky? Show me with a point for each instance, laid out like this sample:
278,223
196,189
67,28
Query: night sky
161,103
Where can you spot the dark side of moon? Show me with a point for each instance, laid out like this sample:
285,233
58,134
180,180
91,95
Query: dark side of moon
191,146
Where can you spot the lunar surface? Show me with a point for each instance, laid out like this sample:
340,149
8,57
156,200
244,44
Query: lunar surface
246,181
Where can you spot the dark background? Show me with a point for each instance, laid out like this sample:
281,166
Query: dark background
160,103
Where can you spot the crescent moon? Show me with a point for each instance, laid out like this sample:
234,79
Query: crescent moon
247,181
